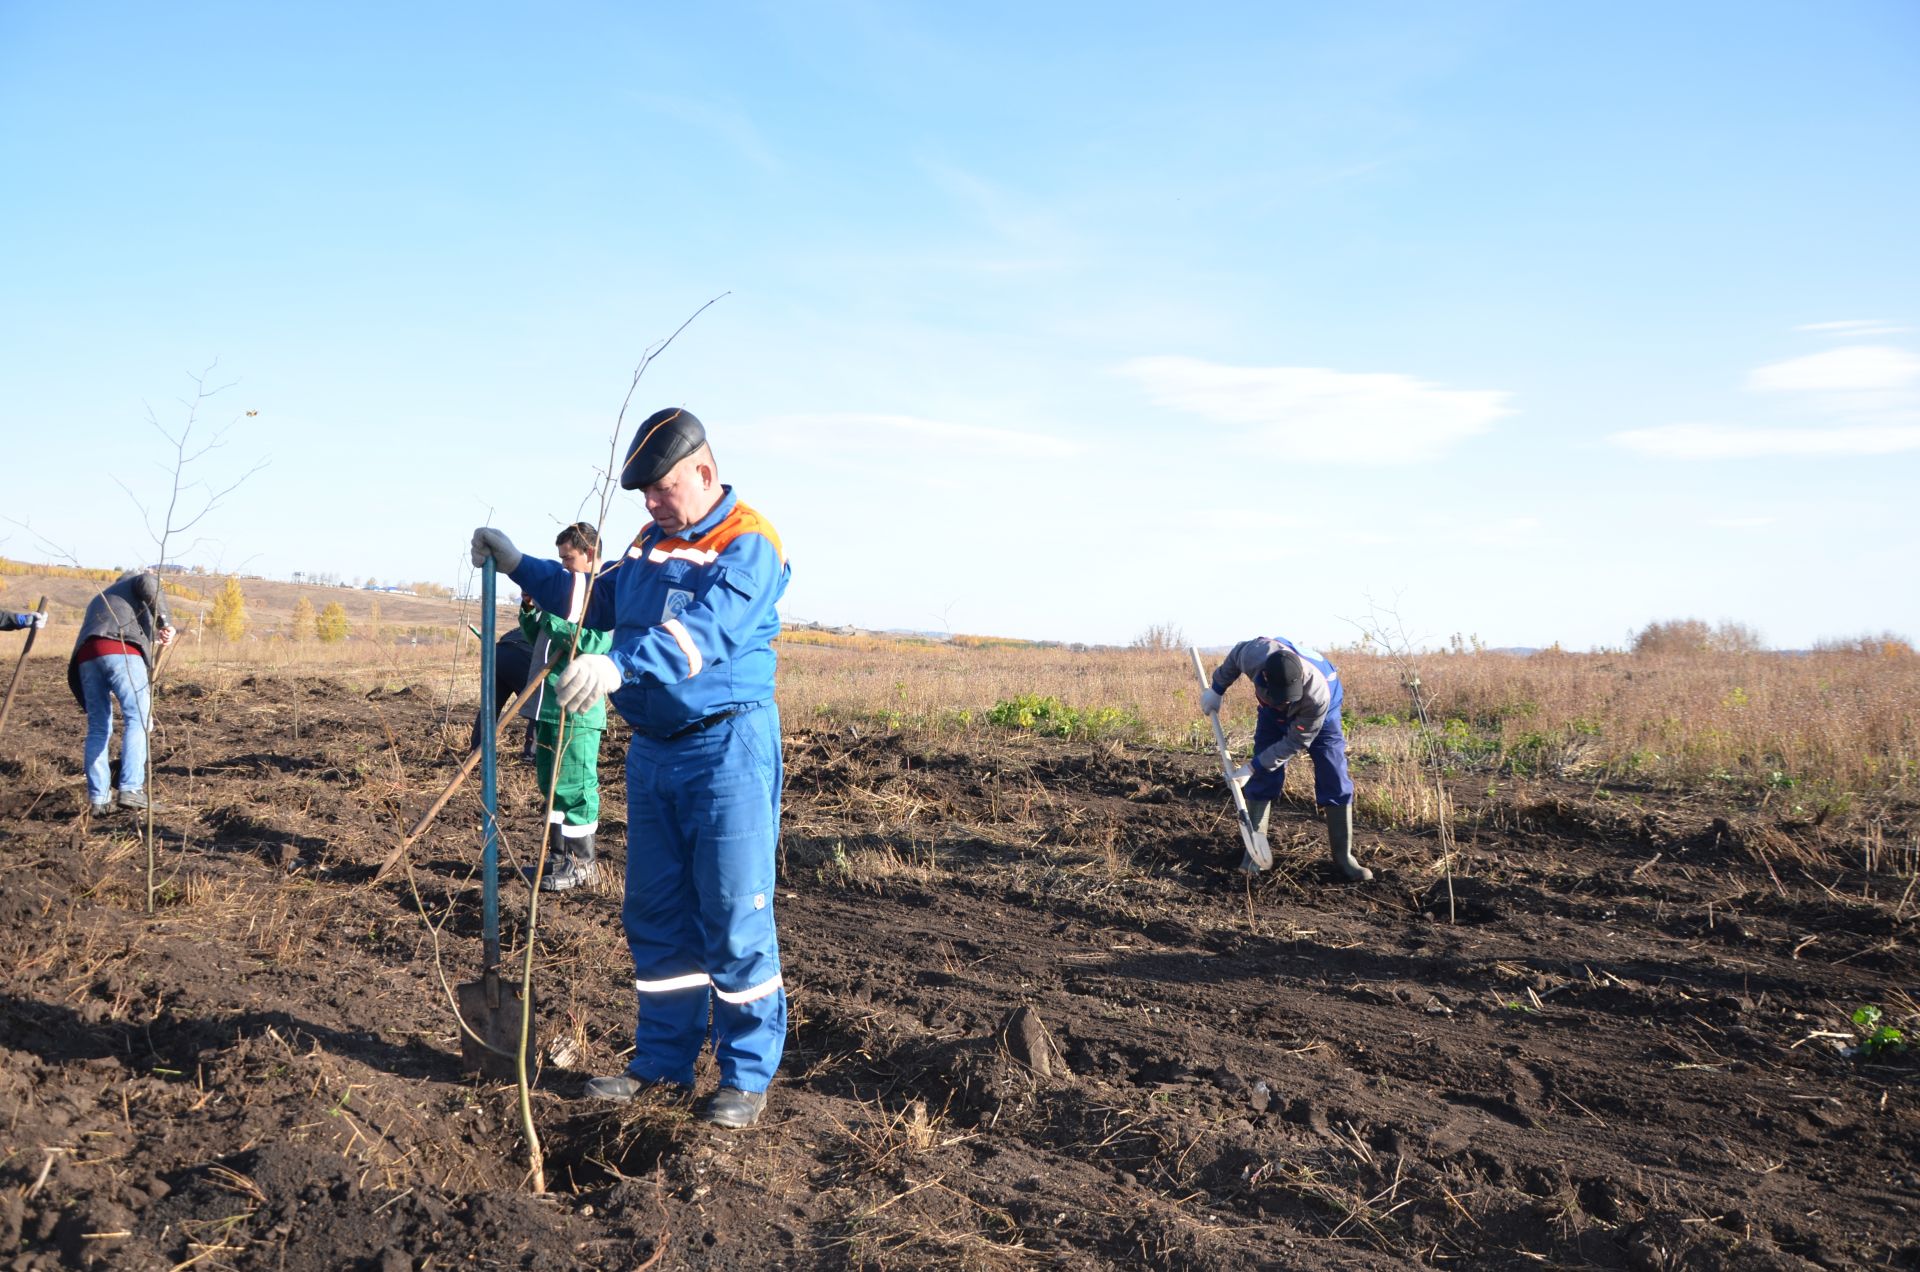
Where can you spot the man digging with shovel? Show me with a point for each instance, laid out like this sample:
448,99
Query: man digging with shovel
691,609
1299,694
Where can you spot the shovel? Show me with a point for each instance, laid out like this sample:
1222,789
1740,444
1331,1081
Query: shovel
1259,856
493,1011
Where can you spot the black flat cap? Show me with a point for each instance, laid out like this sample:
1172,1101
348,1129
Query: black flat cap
1284,677
663,440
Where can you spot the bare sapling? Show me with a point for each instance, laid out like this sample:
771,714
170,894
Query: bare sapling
189,500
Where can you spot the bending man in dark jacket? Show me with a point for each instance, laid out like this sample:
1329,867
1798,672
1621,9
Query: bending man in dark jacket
125,623
1300,695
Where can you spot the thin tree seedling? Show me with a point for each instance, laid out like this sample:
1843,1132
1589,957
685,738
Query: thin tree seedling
188,503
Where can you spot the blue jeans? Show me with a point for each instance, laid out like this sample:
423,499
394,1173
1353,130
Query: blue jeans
703,817
103,679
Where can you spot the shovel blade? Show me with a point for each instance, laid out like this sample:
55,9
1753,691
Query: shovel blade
1259,853
492,1009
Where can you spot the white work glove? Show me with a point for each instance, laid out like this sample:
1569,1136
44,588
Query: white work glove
39,619
1242,775
1209,701
166,635
587,679
488,542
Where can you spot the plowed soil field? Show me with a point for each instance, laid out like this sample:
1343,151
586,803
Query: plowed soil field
1039,1019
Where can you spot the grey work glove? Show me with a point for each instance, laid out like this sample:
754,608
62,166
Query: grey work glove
1209,701
587,679
488,542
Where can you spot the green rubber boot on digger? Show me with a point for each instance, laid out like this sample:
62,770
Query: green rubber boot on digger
1340,840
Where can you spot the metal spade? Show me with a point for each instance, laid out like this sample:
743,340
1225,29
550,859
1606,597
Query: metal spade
1259,855
493,1010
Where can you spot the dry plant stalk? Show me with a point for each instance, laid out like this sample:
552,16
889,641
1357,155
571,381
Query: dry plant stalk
1399,651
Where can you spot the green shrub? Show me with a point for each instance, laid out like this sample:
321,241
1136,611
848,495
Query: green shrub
1033,713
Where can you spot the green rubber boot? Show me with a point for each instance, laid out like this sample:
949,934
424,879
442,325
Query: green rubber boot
1257,810
1340,838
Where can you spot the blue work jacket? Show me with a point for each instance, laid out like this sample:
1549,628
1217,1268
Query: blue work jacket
693,616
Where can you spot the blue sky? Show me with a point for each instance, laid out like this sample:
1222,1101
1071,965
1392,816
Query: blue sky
1531,321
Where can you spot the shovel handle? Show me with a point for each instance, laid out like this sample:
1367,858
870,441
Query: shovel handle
489,781
7,706
467,766
1249,837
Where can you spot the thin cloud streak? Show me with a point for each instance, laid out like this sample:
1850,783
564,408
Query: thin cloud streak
1855,327
1321,414
729,123
1853,369
896,434
1722,441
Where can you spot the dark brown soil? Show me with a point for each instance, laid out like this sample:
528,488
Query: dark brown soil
1039,1020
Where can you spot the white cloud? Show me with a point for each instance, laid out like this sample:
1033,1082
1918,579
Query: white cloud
1512,532
891,435
1722,441
1853,369
1247,522
1320,414
1854,327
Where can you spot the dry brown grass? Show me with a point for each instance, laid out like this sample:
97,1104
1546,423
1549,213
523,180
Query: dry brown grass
1835,721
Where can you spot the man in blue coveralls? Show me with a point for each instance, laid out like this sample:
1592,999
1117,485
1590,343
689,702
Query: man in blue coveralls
1299,694
691,608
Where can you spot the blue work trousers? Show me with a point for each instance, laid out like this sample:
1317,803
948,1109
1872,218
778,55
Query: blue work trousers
104,680
1328,751
703,818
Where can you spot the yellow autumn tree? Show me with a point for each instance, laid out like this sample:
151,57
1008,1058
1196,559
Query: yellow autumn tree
302,619
228,615
331,627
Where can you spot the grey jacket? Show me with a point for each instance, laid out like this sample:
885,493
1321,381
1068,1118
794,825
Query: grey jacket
1305,718
132,608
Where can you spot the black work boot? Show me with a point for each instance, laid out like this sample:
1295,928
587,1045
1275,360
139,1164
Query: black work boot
624,1087
733,1108
556,849
1340,838
574,868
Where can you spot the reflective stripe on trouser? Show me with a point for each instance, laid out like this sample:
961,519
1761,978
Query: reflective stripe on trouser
1331,783
703,816
576,802
104,680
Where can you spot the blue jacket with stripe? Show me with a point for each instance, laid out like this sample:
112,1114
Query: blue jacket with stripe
693,615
